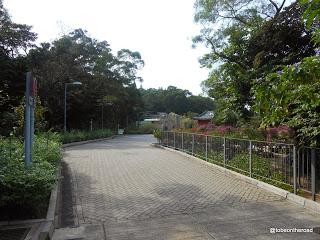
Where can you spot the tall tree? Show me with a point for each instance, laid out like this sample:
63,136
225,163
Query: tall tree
252,39
173,99
78,57
15,40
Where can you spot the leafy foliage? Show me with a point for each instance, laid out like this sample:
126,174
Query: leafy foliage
77,136
251,39
312,17
27,189
174,100
157,134
15,39
141,129
108,81
291,96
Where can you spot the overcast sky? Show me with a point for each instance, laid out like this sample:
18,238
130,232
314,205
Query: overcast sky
161,30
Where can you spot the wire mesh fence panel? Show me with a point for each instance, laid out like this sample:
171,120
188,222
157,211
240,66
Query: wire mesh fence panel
187,142
273,161
237,155
215,150
199,148
171,139
162,140
267,161
304,168
178,140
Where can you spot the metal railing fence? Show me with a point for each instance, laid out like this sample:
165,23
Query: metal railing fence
281,164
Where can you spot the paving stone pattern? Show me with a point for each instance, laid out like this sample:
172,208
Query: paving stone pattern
130,190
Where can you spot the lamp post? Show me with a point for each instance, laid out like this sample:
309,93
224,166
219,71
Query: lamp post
65,102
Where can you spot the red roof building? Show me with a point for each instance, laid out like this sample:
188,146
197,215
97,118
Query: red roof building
204,118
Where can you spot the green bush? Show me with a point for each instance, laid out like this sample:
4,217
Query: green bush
77,136
216,158
27,188
157,134
261,167
142,129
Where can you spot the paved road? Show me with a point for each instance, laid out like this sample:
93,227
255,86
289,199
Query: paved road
125,189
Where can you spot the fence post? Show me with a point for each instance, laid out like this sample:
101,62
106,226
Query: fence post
207,148
192,147
294,170
250,158
174,140
224,152
182,141
313,174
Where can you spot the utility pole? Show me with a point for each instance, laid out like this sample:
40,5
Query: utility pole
30,95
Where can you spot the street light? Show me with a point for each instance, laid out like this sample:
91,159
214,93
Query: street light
65,102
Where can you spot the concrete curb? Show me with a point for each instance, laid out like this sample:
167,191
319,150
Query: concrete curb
306,203
85,142
157,145
46,228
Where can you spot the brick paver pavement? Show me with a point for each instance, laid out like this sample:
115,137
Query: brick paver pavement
130,190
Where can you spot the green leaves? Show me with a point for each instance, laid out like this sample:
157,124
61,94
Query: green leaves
174,100
78,57
292,98
77,136
312,17
28,187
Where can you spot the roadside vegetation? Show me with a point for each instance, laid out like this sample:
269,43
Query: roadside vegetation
77,136
146,128
271,134
24,192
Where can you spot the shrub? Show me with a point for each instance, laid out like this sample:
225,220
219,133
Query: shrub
77,136
142,129
261,167
157,134
27,189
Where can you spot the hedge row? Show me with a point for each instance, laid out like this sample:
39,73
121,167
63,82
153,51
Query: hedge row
77,136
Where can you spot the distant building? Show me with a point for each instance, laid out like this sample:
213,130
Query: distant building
155,118
149,118
204,118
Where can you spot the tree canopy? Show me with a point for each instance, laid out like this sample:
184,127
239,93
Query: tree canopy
108,95
173,99
15,40
253,39
248,41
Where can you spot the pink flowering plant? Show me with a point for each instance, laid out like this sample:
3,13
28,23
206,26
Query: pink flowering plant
282,133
